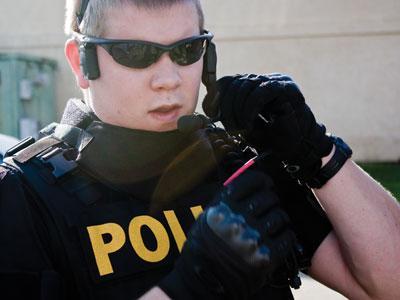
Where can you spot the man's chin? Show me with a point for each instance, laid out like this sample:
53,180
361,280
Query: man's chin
167,127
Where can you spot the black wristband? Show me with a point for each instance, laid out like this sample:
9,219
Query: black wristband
342,153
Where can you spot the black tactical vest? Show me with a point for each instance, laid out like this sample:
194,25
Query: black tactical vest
108,241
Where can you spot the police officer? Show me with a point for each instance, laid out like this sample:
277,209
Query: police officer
108,204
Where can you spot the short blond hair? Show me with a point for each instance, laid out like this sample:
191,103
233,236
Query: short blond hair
93,24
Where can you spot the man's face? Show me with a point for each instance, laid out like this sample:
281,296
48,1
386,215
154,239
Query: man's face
155,97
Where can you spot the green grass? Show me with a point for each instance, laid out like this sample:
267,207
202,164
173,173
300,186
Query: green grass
388,174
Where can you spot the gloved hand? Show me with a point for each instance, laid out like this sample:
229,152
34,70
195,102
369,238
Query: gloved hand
235,246
271,114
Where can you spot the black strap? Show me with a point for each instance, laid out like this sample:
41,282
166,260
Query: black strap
64,209
81,13
19,146
33,150
342,153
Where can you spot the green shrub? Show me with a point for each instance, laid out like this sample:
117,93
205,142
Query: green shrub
388,174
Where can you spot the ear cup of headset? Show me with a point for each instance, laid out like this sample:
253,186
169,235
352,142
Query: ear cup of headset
88,61
209,79
209,65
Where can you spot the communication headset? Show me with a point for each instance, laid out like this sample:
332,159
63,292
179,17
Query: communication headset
90,67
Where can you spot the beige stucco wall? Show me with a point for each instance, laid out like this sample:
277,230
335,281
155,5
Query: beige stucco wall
344,54
36,28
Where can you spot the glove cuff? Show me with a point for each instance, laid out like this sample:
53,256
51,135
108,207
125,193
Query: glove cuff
308,170
342,153
307,162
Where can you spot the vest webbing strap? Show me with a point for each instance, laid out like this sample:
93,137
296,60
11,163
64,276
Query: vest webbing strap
63,208
31,151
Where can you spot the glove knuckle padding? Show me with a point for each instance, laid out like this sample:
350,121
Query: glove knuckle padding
293,93
225,253
233,230
278,76
231,251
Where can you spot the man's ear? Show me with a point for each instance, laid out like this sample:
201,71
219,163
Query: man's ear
72,53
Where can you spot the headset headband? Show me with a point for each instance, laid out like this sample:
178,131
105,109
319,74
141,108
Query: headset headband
81,13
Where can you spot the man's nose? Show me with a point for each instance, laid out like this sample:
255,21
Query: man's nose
166,74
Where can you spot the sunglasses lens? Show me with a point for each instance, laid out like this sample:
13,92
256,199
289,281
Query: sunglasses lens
188,52
135,55
141,55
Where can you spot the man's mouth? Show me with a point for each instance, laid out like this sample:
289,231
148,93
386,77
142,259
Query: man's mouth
166,113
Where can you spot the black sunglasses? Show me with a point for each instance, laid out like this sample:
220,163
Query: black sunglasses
141,54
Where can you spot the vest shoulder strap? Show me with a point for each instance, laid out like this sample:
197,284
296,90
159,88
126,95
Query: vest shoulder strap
46,170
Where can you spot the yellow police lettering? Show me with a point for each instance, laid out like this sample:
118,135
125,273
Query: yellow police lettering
101,249
196,211
159,232
176,228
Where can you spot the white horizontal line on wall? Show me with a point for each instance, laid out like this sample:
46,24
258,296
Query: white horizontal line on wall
229,38
40,42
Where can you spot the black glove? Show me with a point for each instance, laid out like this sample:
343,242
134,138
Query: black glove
271,114
235,246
